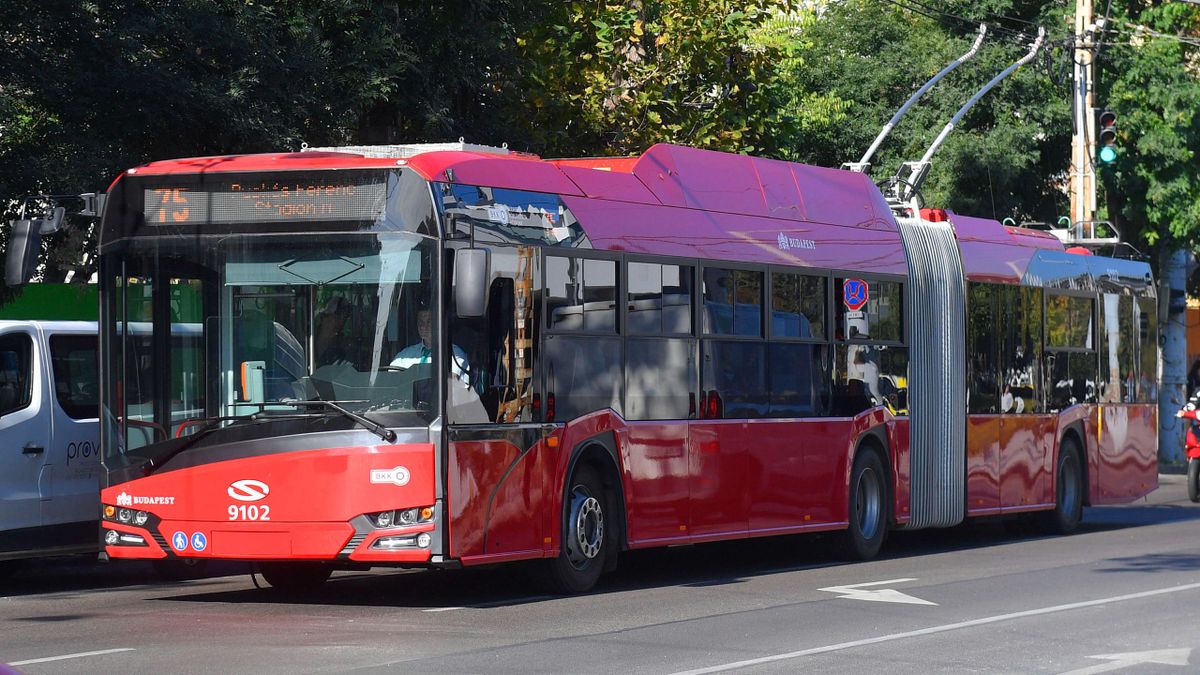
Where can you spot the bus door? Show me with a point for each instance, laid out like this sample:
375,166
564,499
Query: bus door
983,398
24,475
1026,433
498,462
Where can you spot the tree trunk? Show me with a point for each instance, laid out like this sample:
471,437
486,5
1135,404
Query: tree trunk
1173,266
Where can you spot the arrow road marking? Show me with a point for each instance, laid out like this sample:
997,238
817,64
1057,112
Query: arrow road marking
1165,657
858,592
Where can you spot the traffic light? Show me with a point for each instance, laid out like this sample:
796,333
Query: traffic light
1106,136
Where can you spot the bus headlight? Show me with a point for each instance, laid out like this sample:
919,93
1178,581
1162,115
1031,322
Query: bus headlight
124,515
402,541
140,518
114,538
401,517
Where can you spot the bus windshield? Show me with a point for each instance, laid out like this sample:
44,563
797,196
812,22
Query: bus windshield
229,336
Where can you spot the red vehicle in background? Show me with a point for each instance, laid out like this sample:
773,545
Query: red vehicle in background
451,357
1192,447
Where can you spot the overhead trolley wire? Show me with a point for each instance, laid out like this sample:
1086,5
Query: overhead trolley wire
937,14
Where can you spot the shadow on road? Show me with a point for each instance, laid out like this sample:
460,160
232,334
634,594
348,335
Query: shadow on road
84,574
1156,562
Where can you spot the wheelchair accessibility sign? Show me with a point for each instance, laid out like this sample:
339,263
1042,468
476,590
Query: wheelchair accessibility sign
199,541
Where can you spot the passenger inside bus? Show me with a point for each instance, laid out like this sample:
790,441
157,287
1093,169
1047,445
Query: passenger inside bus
329,341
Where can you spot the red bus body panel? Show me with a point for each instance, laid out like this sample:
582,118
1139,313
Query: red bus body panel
312,496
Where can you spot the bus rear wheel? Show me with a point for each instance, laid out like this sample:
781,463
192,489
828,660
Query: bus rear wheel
586,535
867,507
1193,478
1068,491
295,577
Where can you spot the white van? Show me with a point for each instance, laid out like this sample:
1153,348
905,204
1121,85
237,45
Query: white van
49,439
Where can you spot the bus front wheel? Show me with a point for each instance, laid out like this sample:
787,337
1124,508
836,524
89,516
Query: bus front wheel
586,535
295,577
867,507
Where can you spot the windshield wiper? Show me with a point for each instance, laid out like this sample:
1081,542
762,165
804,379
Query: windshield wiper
371,425
209,425
214,423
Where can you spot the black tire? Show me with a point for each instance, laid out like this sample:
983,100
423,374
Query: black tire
295,577
1068,491
1194,480
587,535
867,508
180,569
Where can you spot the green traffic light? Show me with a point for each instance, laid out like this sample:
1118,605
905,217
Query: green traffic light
1108,154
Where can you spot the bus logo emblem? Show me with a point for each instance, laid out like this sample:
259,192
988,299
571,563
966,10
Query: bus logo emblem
396,476
248,490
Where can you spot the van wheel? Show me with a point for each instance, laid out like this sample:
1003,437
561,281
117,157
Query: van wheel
586,536
295,577
1068,491
867,506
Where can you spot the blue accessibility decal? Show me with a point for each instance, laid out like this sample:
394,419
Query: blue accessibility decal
199,542
179,541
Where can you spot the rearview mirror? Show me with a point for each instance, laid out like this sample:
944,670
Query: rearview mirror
470,282
25,243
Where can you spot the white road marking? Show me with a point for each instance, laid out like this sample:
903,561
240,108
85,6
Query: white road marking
442,609
1166,657
64,657
858,592
932,630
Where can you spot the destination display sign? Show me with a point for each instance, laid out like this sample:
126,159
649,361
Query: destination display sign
272,201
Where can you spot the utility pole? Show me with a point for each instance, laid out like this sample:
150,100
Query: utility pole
1083,175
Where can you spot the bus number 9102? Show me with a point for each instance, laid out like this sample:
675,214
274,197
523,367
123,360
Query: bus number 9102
251,512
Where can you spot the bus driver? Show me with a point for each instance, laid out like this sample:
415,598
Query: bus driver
419,352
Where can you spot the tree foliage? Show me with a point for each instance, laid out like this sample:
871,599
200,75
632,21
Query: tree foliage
616,77
1008,155
90,88
1151,78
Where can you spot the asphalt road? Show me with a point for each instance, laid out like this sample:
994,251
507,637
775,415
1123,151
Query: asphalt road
1120,596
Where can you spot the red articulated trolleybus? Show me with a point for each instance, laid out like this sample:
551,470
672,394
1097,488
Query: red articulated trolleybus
453,356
